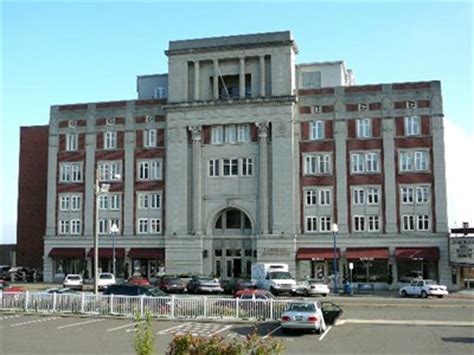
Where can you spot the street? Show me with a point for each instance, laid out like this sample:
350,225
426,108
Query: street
367,326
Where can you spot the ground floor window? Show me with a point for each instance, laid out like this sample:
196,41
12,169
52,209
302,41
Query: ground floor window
370,271
62,267
410,269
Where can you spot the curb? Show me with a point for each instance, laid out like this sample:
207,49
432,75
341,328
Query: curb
405,322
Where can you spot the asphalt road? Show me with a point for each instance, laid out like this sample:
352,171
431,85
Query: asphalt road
368,326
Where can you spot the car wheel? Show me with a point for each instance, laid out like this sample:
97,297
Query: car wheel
273,291
404,293
424,294
440,296
285,330
306,293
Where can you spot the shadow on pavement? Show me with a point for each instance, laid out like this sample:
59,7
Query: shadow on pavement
465,340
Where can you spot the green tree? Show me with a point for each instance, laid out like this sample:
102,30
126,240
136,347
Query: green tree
144,340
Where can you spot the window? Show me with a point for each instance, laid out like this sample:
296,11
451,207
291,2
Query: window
317,164
217,135
103,226
149,200
412,126
414,160
230,134
110,170
231,167
243,133
155,225
143,201
64,203
160,93
310,197
311,224
76,202
155,201
104,202
408,222
407,195
423,222
358,196
364,128
214,167
325,224
324,197
373,224
142,225
357,162
421,160
149,170
247,166
149,136
311,80
115,201
422,194
70,172
372,162
75,226
373,196
359,223
317,130
110,140
63,227
71,142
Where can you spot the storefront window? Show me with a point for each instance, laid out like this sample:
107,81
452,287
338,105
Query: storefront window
370,271
62,267
410,269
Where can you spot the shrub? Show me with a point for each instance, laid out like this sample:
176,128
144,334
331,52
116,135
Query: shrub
144,340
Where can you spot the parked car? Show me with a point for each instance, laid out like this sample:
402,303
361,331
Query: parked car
105,280
199,284
14,289
254,294
73,281
138,281
60,290
20,273
409,276
171,284
4,269
134,290
311,287
231,286
307,315
424,288
3,284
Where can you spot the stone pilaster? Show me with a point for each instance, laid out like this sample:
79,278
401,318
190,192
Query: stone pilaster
197,185
89,173
196,81
263,176
242,78
388,134
262,75
128,178
53,146
340,136
216,80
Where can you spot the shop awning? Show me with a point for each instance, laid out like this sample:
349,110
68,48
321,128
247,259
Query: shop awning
366,253
67,253
107,253
316,253
147,253
428,253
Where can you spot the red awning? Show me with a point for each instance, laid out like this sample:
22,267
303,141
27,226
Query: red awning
67,253
428,253
147,253
316,253
107,253
367,253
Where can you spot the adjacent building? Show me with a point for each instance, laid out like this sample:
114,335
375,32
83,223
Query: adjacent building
239,155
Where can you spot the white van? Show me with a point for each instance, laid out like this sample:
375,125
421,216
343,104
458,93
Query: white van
273,277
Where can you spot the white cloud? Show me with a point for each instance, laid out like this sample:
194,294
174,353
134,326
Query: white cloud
459,147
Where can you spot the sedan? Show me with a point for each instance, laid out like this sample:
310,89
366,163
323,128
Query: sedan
424,288
303,315
312,287
204,284
172,284
73,281
138,281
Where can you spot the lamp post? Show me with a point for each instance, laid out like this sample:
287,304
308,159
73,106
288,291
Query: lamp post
114,229
100,189
335,229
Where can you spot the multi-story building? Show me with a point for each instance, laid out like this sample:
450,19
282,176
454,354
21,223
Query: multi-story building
239,155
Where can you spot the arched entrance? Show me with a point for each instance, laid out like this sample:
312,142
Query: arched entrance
232,246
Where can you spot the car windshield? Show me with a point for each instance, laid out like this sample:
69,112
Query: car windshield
105,276
208,279
74,277
280,275
301,307
172,280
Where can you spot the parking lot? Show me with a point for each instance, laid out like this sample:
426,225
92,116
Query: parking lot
383,327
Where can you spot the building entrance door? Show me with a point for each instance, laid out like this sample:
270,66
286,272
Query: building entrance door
318,270
237,267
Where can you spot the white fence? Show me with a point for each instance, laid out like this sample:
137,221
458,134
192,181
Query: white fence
130,306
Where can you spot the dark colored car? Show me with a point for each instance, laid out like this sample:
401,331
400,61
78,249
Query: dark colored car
172,284
134,290
20,273
138,281
200,284
233,285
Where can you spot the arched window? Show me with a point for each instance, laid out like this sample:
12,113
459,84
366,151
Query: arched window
231,222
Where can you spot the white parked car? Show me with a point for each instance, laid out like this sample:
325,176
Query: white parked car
73,281
105,280
312,287
424,288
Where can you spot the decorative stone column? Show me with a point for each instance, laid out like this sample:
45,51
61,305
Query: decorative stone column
216,79
197,186
262,75
196,80
340,136
388,134
242,78
263,178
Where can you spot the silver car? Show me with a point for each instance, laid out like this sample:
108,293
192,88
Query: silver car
312,287
303,315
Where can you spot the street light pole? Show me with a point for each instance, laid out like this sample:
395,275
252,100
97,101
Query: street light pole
335,229
114,229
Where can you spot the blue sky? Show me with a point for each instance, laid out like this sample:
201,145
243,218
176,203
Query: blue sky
56,53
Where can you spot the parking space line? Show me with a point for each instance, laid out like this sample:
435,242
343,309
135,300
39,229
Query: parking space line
165,331
124,326
273,331
80,323
10,317
35,321
406,322
325,333
220,330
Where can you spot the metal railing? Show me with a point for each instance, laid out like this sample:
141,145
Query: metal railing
130,306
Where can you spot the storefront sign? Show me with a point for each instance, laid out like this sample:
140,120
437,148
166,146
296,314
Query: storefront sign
461,250
275,252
